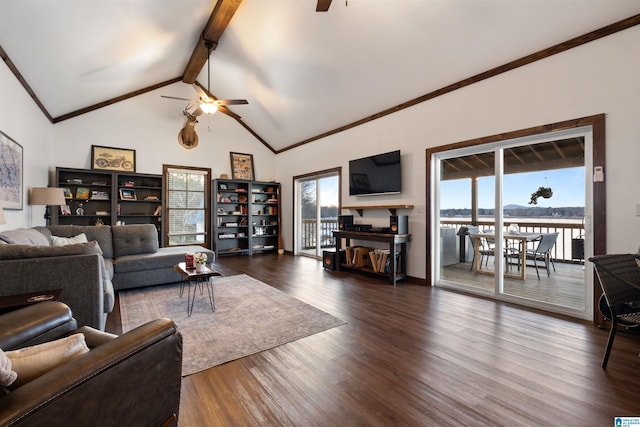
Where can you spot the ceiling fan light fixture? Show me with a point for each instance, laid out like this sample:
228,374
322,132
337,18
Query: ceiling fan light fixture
208,108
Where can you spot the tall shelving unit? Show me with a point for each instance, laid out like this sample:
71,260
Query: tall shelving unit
89,195
245,217
109,197
145,207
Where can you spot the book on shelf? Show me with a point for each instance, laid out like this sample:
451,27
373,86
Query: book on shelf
379,259
99,195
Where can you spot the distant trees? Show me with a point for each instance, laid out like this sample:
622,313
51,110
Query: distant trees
528,212
308,194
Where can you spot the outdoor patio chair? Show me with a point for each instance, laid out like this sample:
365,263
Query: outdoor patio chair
619,277
542,252
485,249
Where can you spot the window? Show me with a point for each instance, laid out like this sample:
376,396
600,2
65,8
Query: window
187,201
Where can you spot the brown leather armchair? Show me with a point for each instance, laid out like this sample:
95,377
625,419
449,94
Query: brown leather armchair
128,380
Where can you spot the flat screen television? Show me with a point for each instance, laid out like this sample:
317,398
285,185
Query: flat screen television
379,174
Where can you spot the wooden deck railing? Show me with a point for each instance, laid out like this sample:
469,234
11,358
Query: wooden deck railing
327,226
562,251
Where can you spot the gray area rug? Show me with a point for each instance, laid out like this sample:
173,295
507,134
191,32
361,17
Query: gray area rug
250,317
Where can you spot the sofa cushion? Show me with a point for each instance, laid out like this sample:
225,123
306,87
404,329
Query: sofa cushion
102,235
27,251
31,362
25,236
62,241
134,239
163,258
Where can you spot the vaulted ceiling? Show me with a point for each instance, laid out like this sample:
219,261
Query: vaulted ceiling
305,73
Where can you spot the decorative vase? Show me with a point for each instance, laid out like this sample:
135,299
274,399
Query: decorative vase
201,268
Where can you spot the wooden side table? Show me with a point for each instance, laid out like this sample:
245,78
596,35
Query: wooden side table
191,276
13,302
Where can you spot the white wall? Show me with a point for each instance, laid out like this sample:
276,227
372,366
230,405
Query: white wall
146,123
150,125
600,77
596,78
23,122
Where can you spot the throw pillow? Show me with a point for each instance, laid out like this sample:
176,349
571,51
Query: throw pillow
25,236
31,362
7,375
62,241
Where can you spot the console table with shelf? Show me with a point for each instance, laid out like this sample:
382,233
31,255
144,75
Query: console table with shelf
397,244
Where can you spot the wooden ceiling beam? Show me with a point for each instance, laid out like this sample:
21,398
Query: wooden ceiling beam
323,5
217,24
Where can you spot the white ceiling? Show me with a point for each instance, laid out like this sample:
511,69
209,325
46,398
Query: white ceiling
303,72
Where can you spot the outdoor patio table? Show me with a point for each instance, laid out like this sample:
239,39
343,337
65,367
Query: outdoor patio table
520,238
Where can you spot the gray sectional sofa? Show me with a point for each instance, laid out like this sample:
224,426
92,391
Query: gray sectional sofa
89,273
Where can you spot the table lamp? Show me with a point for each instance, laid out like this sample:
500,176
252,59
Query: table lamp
48,196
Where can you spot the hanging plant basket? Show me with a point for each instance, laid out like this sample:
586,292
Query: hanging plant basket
544,192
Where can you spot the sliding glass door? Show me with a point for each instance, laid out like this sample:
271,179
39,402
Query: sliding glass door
508,216
317,202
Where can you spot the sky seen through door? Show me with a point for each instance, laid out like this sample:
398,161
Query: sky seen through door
567,185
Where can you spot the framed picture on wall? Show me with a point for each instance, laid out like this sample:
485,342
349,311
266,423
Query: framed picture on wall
115,159
11,171
242,166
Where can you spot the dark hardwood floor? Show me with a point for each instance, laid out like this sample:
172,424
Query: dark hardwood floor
414,356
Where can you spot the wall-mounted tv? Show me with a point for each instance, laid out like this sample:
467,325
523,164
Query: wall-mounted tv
379,174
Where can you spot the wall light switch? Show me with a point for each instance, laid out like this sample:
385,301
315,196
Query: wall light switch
598,174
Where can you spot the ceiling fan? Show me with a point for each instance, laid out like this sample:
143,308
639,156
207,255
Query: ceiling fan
208,104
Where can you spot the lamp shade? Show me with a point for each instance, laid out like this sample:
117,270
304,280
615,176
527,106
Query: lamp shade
47,196
3,220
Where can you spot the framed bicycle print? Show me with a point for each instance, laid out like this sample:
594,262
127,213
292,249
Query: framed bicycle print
115,159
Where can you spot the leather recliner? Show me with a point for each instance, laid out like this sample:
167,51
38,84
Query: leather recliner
128,380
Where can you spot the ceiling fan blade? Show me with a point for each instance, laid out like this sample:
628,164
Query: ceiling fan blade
180,99
201,93
323,5
225,110
230,101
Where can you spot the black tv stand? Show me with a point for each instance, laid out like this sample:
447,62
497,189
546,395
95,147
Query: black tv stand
397,251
